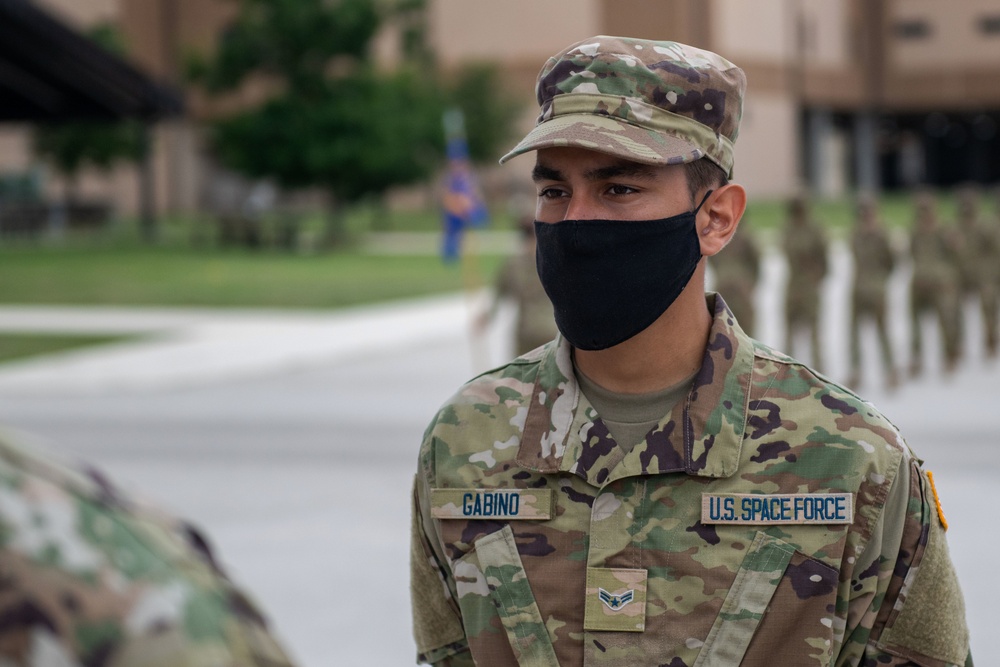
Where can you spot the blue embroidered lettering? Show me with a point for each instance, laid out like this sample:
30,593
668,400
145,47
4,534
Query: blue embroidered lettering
777,508
466,506
808,512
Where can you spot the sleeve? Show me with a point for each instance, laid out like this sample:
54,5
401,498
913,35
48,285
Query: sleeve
754,259
909,610
505,287
437,624
890,256
822,247
117,582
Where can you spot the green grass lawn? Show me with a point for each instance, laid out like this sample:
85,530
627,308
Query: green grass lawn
17,346
176,276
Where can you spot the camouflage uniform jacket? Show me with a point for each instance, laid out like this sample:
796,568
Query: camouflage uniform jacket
538,541
90,578
518,280
805,249
979,255
936,259
873,264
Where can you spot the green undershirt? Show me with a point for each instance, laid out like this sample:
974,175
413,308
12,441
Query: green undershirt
629,417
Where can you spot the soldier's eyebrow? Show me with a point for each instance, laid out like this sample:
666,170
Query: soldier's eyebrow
543,173
631,169
624,168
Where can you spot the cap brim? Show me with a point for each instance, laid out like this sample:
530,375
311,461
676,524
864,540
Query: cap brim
605,134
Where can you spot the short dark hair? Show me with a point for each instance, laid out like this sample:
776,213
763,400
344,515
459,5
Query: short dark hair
701,174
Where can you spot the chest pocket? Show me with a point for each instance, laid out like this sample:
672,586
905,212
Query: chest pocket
781,602
493,574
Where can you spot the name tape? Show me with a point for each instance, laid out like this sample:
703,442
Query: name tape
534,504
777,508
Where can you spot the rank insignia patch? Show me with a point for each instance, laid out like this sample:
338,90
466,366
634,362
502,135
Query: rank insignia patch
615,602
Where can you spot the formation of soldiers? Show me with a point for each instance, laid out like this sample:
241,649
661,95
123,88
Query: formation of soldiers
953,265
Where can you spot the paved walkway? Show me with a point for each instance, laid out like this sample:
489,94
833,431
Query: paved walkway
184,346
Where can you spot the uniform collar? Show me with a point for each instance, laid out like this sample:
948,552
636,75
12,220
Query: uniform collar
701,436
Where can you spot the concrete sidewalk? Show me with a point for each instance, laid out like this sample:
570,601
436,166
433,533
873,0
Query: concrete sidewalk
182,347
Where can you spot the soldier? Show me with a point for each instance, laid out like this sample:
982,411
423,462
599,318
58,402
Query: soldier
518,282
654,487
805,250
979,264
737,268
873,264
92,578
934,287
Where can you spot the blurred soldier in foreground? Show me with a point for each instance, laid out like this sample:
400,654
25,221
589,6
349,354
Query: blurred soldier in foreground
737,268
518,282
935,286
91,578
979,264
873,264
805,250
654,487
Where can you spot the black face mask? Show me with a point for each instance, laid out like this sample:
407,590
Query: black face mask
610,279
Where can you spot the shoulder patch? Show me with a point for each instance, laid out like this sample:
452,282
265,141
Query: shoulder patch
931,610
937,500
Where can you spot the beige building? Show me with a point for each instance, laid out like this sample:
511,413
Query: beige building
842,93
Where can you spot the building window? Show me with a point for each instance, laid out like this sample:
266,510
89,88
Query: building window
990,25
911,29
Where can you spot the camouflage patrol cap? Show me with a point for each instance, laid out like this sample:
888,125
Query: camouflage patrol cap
650,102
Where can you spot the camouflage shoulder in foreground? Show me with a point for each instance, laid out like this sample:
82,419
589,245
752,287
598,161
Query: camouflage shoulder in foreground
772,512
91,578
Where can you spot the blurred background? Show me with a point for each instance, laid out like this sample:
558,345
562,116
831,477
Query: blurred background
243,256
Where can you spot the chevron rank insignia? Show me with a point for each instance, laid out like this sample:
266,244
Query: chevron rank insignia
615,602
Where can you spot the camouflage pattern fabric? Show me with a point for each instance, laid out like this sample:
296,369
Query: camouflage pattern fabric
736,270
873,265
645,101
805,249
627,569
90,578
518,280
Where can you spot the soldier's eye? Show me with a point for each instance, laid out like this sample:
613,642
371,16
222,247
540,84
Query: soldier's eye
621,190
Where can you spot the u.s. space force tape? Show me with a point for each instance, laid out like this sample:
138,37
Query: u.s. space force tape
491,504
777,508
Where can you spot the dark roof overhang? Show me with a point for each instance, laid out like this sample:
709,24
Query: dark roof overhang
50,73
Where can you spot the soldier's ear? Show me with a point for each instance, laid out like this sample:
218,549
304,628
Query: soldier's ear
719,217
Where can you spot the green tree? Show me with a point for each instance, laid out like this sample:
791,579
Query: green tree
69,147
490,112
335,120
